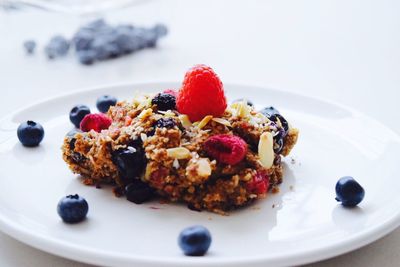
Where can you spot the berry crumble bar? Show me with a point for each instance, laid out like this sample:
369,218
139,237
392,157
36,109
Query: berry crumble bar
187,146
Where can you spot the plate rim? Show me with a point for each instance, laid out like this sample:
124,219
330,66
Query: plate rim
94,256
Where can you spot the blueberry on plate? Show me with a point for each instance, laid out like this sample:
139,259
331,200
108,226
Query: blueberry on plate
164,101
105,102
194,240
72,208
269,111
349,192
30,133
77,114
242,99
138,192
130,162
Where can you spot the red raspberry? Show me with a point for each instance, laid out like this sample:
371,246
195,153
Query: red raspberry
95,122
202,94
229,149
259,184
171,92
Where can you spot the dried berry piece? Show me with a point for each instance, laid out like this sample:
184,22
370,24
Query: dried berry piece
228,149
96,122
259,184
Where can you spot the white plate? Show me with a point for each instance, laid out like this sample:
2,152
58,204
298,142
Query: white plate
302,223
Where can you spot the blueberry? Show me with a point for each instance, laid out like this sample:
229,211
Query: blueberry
278,119
104,102
269,111
127,42
30,133
96,25
30,46
194,240
113,50
279,141
164,102
247,101
72,208
349,191
160,29
150,38
138,192
283,122
57,46
83,40
87,57
130,161
138,34
73,132
165,123
77,114
99,47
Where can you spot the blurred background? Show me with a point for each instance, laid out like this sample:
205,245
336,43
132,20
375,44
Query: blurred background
347,51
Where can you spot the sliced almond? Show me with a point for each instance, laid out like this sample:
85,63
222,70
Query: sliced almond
204,121
243,110
175,164
185,121
178,153
204,169
266,150
222,121
143,136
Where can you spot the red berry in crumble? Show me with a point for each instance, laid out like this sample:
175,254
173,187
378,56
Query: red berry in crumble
202,94
228,149
96,122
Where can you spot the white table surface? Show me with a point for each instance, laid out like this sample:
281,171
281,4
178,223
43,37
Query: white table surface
345,50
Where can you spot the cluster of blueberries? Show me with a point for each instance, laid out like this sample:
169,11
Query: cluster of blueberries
98,41
195,240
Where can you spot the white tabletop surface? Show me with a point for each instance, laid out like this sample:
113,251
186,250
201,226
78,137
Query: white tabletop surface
347,51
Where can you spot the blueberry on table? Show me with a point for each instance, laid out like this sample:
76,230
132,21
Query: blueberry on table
105,102
72,208
160,29
77,114
30,133
194,240
349,192
58,46
242,99
138,192
86,57
164,101
30,46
